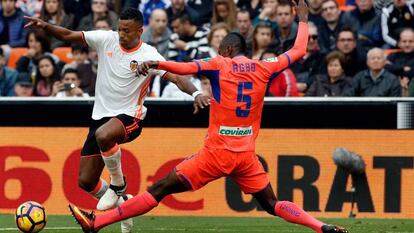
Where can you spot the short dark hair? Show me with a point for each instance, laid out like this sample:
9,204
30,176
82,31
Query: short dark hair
347,29
103,18
70,71
79,47
285,3
1,52
268,50
183,17
236,41
133,14
243,10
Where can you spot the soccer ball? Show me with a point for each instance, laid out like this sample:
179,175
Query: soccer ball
30,217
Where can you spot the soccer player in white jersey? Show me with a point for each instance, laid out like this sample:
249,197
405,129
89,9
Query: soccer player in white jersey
118,110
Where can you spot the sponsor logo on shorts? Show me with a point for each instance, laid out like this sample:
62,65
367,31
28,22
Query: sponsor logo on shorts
235,131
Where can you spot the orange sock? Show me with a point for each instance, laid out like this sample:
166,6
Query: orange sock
290,212
138,205
100,189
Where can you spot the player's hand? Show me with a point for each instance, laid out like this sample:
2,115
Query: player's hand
201,101
34,22
143,68
301,10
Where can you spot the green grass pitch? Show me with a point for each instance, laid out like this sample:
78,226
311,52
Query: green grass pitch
62,224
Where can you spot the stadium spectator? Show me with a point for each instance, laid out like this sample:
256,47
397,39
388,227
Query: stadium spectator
309,65
268,14
24,85
394,18
315,12
262,37
375,81
148,6
355,58
38,45
224,11
102,23
8,77
30,7
206,86
328,31
46,76
252,6
77,8
401,63
119,5
244,25
80,55
281,84
157,33
217,33
99,9
12,33
87,73
379,4
366,22
180,7
68,86
187,41
172,91
335,82
52,12
286,32
204,9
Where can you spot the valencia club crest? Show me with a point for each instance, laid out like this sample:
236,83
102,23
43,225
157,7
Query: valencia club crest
133,65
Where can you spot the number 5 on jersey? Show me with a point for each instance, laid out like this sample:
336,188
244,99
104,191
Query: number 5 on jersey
243,98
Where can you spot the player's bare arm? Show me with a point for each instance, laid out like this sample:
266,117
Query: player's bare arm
60,33
302,11
184,84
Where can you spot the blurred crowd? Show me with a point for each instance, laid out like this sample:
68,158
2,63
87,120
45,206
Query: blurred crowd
355,48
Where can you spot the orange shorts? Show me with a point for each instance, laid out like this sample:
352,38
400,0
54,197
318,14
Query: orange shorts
210,164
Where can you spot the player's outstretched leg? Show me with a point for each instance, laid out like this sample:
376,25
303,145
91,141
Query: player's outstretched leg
107,137
290,212
135,206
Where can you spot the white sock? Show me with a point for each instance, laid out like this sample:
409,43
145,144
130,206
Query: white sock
113,163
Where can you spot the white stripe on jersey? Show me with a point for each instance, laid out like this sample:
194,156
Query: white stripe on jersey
117,87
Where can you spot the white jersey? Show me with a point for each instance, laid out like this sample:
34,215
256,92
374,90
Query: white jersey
118,90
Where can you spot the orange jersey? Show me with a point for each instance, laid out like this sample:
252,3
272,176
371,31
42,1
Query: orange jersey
238,86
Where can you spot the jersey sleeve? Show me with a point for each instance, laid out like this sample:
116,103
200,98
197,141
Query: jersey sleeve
296,52
185,68
208,64
95,39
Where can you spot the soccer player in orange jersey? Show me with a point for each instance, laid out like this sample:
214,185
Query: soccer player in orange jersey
238,86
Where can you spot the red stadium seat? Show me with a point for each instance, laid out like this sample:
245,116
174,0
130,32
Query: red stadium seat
15,54
64,54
